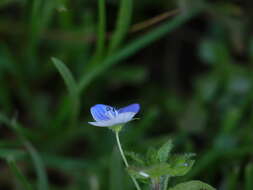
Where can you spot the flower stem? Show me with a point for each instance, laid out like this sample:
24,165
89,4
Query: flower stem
155,184
125,160
166,182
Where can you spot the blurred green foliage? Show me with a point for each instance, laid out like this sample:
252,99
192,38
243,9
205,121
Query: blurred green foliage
191,73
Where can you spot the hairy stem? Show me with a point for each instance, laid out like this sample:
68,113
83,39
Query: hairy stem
125,160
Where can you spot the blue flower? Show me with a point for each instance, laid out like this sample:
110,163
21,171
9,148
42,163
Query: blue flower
107,116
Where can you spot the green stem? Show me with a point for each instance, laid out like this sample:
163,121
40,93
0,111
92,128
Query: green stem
155,184
125,160
165,187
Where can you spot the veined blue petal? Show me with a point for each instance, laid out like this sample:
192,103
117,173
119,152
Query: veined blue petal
135,108
98,112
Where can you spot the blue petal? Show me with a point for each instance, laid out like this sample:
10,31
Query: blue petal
98,112
135,108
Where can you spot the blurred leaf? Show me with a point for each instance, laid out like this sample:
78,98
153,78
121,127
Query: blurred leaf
101,35
133,47
64,163
215,52
116,171
71,85
164,151
228,9
123,23
67,76
151,156
231,120
39,166
135,157
11,153
37,161
128,74
178,165
61,5
192,185
194,118
232,179
101,26
207,87
4,3
20,177
249,177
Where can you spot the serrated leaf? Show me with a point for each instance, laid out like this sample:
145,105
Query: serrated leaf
135,157
192,185
163,152
180,164
162,169
137,172
151,156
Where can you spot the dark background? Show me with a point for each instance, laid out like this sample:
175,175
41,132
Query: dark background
193,82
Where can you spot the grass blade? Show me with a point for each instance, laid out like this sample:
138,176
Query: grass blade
101,28
39,166
71,86
122,25
133,47
37,161
20,177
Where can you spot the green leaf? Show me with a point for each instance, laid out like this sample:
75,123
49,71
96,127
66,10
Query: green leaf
13,153
215,52
249,177
71,86
137,172
19,175
64,163
116,171
101,26
192,185
123,23
151,156
135,46
180,164
128,74
37,161
232,180
39,166
163,152
101,32
66,75
135,157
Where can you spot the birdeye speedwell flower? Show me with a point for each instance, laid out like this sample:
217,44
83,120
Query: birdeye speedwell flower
107,116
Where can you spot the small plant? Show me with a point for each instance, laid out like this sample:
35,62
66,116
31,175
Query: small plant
158,166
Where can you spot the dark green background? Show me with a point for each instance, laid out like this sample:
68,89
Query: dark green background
191,73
